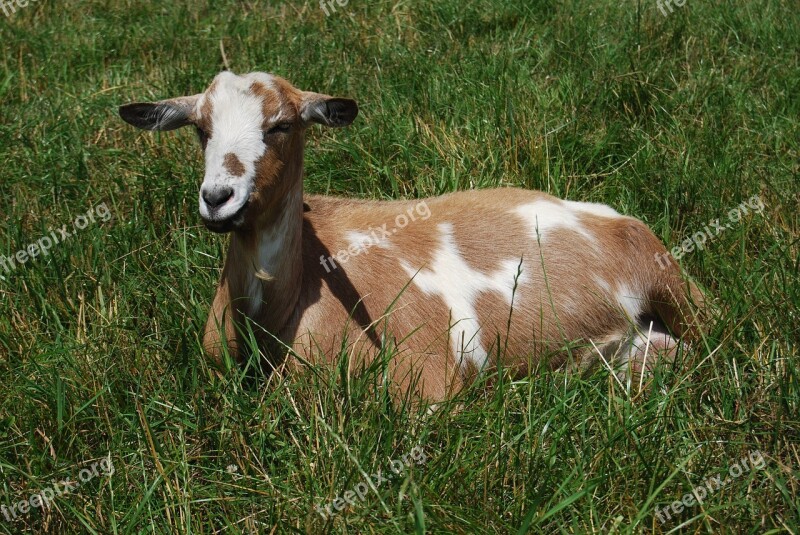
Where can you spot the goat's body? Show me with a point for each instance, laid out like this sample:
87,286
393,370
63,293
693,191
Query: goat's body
505,272
479,275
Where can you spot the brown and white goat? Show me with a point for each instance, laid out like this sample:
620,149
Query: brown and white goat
455,282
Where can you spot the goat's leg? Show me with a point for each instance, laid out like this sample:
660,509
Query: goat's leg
220,331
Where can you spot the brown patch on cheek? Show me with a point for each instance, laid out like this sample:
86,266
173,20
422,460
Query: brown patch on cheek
266,192
233,164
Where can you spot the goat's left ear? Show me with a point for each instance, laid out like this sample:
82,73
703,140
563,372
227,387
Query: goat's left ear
330,111
163,115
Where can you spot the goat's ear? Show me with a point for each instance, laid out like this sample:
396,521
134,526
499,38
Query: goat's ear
330,111
163,115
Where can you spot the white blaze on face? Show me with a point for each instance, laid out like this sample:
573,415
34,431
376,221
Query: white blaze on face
236,128
459,286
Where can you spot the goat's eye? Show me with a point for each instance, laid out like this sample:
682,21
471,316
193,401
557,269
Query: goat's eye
281,128
202,136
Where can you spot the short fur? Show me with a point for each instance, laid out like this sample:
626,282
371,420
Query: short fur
501,273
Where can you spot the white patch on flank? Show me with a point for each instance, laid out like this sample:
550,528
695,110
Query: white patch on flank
600,210
382,243
363,241
451,278
545,216
629,301
359,239
602,283
236,122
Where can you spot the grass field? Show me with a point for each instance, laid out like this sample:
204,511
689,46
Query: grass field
675,118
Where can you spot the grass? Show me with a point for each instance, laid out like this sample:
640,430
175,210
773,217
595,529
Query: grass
673,119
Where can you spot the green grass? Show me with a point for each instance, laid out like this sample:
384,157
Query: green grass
674,120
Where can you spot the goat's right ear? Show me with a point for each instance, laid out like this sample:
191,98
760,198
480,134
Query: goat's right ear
164,115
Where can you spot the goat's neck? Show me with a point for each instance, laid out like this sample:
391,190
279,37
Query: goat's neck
265,266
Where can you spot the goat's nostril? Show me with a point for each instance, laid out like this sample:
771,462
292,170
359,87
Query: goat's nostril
217,197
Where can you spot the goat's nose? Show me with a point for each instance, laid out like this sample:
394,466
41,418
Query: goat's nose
216,197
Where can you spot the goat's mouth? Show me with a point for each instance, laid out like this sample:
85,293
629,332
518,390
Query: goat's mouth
228,224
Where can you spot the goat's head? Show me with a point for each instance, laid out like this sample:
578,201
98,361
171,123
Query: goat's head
251,130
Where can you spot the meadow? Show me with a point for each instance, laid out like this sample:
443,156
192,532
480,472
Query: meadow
675,114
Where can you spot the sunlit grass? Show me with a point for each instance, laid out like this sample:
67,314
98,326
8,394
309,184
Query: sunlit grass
674,120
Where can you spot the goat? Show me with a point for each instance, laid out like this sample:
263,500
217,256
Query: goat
460,283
